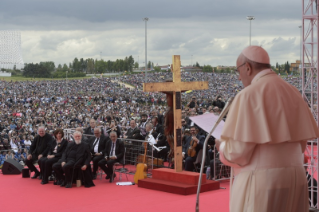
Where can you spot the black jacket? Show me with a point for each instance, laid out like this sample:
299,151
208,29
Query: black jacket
61,148
41,148
119,150
82,153
102,144
134,134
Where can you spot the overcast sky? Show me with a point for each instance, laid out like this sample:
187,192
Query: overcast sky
213,31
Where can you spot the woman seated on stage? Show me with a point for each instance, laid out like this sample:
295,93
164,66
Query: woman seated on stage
55,153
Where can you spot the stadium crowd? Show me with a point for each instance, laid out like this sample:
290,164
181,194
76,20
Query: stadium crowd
65,104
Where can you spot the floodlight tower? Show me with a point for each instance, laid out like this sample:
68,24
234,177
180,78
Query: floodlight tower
250,18
145,19
310,77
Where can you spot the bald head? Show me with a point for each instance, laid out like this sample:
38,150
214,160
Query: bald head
250,62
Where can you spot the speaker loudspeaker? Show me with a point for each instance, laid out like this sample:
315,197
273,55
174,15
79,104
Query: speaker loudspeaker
11,166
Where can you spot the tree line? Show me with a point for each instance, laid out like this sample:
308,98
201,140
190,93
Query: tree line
77,68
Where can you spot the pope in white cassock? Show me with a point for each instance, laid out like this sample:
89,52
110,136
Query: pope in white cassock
264,139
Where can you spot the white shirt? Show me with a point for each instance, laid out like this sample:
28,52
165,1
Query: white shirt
112,153
96,147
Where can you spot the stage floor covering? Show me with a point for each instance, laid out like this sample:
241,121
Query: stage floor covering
25,194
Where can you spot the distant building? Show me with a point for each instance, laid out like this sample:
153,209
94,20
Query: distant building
294,67
165,67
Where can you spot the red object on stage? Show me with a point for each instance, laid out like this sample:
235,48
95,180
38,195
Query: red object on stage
183,183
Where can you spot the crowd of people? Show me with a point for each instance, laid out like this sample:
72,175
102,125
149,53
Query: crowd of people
105,104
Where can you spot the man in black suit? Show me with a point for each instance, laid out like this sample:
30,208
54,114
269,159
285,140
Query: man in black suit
114,152
134,132
38,149
132,150
189,161
97,147
76,154
90,129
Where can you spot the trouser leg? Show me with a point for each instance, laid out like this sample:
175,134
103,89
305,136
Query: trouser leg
67,169
31,166
96,160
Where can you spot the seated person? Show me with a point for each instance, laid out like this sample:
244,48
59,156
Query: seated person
56,150
114,152
199,140
38,149
97,146
76,153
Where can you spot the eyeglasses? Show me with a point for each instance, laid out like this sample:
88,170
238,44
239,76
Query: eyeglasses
236,70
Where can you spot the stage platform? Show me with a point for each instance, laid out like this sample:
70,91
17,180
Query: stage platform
184,183
25,194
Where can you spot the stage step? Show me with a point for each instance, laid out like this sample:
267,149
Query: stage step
185,177
176,187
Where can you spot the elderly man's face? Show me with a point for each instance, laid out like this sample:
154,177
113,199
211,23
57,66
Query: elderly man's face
244,74
113,137
97,133
77,138
41,132
92,124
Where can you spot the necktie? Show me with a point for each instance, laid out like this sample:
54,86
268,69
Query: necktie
96,140
112,149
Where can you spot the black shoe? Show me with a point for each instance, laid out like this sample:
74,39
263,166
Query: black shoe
58,182
40,177
36,175
94,176
44,182
68,185
112,178
107,177
63,183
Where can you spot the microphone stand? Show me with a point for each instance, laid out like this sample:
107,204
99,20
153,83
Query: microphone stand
221,116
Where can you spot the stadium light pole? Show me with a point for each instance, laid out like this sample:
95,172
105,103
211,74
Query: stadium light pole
145,19
66,81
300,27
250,18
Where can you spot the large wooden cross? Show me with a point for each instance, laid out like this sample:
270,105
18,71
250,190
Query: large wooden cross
176,87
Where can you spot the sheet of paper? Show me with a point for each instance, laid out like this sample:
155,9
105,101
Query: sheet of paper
207,121
151,139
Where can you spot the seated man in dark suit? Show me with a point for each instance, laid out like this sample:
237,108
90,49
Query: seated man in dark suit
55,153
113,153
75,154
90,129
38,149
134,132
97,146
199,140
133,146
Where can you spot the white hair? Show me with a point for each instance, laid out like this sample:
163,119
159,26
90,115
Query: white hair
41,127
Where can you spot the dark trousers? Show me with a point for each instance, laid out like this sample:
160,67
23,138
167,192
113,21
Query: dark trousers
95,161
30,164
189,163
66,169
46,166
108,169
